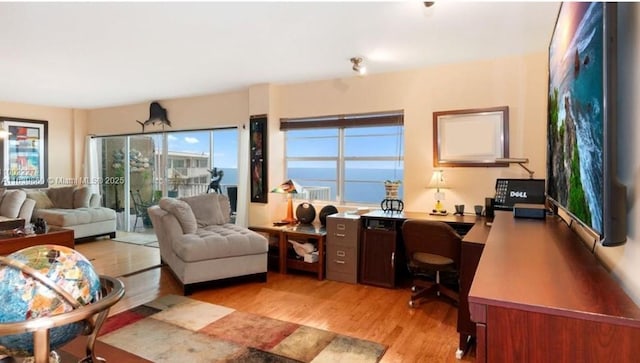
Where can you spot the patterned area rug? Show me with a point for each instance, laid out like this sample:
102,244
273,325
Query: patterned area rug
179,329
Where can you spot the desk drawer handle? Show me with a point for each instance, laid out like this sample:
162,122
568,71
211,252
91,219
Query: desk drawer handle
338,261
340,235
393,259
340,253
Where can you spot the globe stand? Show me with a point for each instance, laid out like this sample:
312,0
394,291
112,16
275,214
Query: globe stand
94,315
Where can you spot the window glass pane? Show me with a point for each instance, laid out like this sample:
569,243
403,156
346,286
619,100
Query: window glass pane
317,177
188,160
316,142
388,141
364,192
364,180
225,155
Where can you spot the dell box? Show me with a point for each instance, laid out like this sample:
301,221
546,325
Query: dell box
535,211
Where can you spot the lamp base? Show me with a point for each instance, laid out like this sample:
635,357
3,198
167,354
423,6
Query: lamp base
439,208
289,218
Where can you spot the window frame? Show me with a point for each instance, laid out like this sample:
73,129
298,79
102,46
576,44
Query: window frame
341,123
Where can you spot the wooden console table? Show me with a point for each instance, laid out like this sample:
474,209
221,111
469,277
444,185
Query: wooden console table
299,232
540,295
55,236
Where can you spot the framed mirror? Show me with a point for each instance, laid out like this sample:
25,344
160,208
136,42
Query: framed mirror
473,137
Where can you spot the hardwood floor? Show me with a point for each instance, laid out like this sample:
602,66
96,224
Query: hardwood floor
425,334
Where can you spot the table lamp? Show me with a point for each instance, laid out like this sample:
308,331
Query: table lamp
437,182
289,187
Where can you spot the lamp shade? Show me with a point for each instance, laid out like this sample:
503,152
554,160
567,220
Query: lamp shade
289,186
437,180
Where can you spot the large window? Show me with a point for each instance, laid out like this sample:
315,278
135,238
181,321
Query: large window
345,159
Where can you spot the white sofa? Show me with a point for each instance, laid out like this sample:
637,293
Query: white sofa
15,204
74,207
200,245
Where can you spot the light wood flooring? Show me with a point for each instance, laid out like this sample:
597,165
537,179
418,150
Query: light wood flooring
425,334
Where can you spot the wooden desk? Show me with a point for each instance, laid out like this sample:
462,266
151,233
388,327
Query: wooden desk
383,244
539,295
299,232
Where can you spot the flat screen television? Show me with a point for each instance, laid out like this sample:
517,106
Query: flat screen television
581,122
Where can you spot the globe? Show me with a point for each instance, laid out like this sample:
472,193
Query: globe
25,297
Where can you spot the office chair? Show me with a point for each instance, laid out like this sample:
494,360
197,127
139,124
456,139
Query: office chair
431,248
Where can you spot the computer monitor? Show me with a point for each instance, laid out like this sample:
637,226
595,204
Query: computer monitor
512,191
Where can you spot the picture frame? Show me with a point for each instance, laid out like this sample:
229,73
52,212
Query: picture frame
471,137
24,153
258,155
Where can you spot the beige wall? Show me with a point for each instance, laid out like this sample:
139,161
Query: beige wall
61,138
517,82
221,110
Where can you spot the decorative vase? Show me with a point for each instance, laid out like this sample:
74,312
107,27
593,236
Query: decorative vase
391,190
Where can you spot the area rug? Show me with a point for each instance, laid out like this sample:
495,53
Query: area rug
179,329
143,239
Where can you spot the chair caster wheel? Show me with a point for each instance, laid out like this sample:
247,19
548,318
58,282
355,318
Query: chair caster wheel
413,304
414,288
459,353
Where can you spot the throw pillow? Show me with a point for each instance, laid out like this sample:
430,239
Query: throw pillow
206,208
81,197
12,202
41,199
62,197
183,213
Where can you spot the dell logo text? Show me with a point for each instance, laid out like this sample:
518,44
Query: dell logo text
518,194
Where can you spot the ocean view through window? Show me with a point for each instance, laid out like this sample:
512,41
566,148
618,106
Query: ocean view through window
345,160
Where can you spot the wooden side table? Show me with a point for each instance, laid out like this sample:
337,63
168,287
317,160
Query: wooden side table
297,232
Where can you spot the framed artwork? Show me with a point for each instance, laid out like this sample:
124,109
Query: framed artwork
258,155
24,153
473,137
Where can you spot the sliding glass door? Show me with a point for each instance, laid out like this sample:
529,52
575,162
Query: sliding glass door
142,168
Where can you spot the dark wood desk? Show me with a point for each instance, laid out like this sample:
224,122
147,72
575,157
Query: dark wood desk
384,244
539,295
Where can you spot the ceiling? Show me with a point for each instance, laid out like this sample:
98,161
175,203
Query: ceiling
92,55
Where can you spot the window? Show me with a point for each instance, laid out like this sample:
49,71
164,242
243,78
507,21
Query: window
345,159
175,163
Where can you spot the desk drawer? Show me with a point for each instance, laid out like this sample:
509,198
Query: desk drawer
342,263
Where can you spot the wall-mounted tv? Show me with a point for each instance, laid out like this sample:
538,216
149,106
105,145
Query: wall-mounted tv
581,123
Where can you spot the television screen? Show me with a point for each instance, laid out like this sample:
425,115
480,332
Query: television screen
512,191
581,115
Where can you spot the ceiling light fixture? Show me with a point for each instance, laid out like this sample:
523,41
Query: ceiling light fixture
358,66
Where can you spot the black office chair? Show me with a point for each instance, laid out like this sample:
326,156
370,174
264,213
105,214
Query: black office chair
431,248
